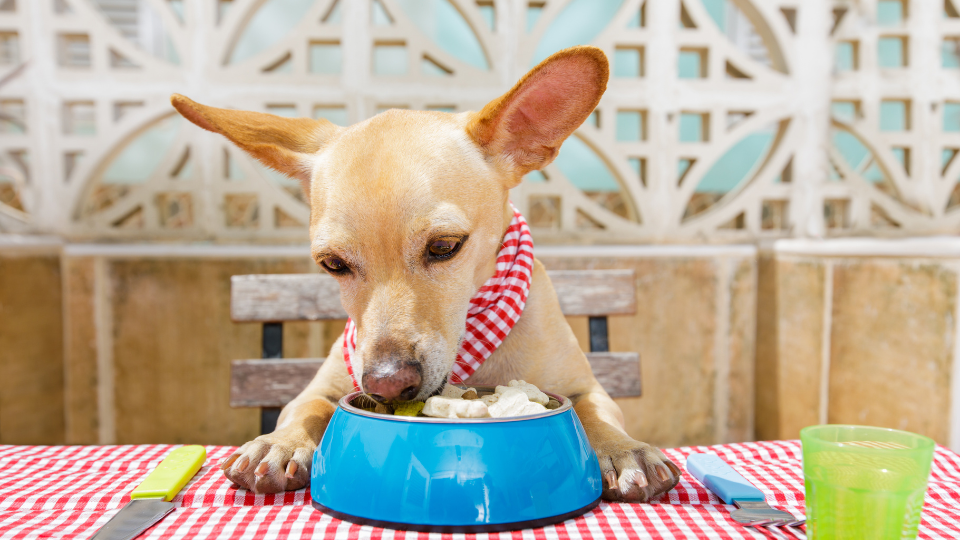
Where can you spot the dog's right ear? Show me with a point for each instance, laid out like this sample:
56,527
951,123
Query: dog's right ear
284,144
522,130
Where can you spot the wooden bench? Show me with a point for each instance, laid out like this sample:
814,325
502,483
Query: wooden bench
272,299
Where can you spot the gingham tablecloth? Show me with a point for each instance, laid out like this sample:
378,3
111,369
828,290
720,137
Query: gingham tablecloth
70,491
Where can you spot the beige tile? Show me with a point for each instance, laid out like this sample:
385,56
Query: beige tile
674,332
31,351
581,329
303,339
80,351
331,332
742,350
892,345
173,344
800,298
766,370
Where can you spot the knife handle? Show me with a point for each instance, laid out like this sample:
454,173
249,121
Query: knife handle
721,479
172,474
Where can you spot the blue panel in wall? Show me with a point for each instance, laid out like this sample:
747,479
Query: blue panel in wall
630,126
441,21
584,168
845,56
578,24
737,164
890,53
269,25
689,65
691,127
893,115
951,117
140,158
889,12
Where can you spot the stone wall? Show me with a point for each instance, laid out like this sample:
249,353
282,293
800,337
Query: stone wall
132,344
31,348
694,330
858,332
137,341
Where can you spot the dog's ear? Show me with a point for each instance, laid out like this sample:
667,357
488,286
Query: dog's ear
283,144
527,125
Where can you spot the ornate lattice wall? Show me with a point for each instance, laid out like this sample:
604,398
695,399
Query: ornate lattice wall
725,120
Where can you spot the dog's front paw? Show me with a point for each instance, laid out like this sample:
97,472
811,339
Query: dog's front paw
272,463
634,471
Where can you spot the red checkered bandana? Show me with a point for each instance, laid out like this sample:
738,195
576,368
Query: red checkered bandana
493,310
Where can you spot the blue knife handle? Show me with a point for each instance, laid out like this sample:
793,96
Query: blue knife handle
721,479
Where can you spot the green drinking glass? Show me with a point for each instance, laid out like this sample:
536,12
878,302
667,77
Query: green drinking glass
864,482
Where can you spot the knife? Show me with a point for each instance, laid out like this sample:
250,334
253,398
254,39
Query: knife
149,502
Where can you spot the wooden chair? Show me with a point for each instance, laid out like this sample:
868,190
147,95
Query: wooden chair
271,299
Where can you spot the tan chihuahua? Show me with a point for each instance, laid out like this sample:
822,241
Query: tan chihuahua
407,211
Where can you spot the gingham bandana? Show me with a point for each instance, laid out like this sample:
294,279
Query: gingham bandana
493,310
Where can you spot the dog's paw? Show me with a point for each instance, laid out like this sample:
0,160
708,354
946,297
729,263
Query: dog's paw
634,471
272,463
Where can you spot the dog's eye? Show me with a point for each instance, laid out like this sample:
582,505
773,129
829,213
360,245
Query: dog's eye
334,265
444,248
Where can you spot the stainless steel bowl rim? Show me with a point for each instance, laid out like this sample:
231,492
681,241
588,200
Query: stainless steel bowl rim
565,405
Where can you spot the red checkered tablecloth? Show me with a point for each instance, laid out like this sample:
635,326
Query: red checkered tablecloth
70,491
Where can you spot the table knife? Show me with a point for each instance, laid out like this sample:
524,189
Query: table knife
150,501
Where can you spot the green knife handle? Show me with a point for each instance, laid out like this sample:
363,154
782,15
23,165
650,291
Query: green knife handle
172,474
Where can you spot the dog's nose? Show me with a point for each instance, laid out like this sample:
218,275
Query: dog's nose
393,380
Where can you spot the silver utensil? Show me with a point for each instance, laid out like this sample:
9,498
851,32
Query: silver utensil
732,488
150,501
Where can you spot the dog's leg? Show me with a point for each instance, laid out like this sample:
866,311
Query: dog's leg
542,350
281,460
632,471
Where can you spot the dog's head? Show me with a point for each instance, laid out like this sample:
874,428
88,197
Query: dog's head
408,208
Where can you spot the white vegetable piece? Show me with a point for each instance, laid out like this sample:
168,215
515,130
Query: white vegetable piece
533,393
514,402
445,407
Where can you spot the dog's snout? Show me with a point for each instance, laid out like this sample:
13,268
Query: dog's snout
393,379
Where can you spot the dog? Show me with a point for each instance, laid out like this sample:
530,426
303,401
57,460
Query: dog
408,210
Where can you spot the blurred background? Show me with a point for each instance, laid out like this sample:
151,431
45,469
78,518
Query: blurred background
781,175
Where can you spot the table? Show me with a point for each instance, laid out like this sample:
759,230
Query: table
70,491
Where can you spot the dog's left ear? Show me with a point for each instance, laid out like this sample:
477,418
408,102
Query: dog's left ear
283,144
526,126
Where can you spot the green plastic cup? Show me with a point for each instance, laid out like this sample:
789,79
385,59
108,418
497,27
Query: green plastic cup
864,482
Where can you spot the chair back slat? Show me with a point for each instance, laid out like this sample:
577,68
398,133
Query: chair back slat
595,293
617,372
273,383
285,297
270,383
316,297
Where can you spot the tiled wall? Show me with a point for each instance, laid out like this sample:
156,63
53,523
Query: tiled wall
694,330
858,332
31,349
102,344
147,342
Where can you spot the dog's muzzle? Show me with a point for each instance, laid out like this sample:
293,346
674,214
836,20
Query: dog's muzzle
393,379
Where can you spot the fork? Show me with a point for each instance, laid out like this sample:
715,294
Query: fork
729,485
775,530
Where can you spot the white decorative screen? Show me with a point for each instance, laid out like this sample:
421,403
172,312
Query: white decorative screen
725,120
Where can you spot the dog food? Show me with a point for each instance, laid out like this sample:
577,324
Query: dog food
444,407
518,398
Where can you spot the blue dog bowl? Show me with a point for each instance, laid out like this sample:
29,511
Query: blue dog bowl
444,475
